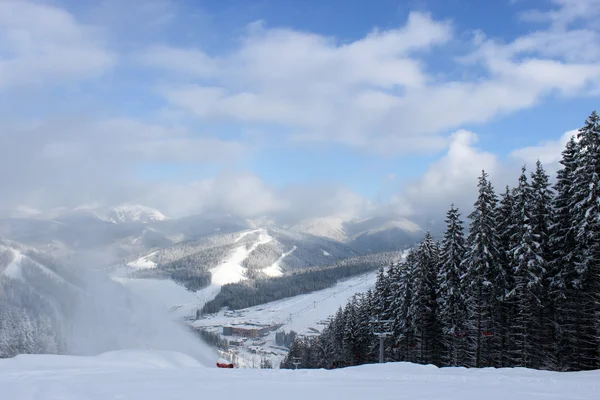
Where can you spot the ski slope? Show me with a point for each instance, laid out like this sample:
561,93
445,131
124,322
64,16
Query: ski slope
151,375
176,298
299,313
143,262
305,314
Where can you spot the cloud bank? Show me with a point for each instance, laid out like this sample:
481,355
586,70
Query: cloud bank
85,110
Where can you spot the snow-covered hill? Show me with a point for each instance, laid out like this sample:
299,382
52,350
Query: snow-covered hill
231,257
159,376
135,213
332,228
366,235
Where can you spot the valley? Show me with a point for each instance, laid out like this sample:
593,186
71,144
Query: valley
204,271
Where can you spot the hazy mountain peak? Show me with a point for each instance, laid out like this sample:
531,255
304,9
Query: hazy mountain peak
126,213
328,227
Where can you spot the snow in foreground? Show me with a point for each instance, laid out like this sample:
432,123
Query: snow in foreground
164,375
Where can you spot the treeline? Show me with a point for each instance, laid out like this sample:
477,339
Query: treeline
285,339
251,293
521,290
211,338
30,312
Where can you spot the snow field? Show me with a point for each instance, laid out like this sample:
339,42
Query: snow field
165,375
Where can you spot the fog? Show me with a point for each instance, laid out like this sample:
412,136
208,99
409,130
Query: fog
89,312
113,318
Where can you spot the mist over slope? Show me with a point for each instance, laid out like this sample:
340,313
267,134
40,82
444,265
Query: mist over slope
53,306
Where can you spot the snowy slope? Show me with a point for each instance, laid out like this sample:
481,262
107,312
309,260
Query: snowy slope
298,313
14,268
306,314
128,213
176,298
143,262
161,376
231,270
332,228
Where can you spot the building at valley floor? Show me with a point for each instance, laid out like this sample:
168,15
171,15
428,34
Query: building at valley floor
249,330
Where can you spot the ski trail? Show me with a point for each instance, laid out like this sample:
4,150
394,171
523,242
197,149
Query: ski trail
275,269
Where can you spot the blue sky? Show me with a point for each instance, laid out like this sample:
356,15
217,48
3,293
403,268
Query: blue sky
360,106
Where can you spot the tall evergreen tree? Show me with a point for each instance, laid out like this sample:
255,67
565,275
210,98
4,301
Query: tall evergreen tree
585,205
508,237
402,291
424,304
529,275
563,246
542,219
382,302
451,294
486,280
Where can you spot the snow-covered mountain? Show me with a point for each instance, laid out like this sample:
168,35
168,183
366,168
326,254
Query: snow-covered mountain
126,233
377,234
230,257
131,213
368,235
331,228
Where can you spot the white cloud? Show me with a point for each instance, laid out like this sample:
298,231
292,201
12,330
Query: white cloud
310,84
548,152
452,179
65,162
377,93
381,93
42,44
238,193
247,195
565,12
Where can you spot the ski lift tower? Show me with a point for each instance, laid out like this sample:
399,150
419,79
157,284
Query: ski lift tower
382,328
296,361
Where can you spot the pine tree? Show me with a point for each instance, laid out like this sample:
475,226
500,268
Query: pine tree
486,280
402,291
585,206
423,308
563,246
382,302
529,274
543,221
451,294
507,235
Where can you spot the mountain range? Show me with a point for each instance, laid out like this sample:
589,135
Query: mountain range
127,232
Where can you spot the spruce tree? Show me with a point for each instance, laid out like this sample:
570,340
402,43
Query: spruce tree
529,274
403,327
424,304
507,235
451,294
542,218
562,272
585,207
486,280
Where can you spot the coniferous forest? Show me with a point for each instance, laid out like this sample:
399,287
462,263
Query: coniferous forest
517,284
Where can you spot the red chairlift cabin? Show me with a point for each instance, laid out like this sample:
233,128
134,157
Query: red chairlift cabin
487,333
